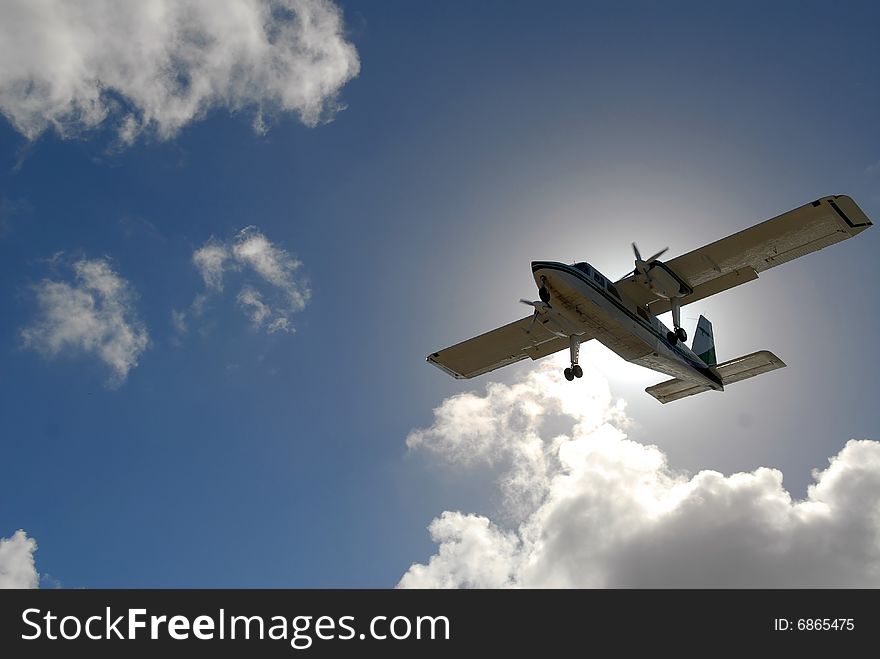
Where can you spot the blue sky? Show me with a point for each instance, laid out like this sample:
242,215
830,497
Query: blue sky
473,138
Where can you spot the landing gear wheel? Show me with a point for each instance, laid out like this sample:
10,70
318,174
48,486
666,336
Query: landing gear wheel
681,334
673,339
569,374
577,370
544,294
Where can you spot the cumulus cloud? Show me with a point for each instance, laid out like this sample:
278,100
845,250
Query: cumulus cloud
94,314
250,254
160,64
590,508
17,569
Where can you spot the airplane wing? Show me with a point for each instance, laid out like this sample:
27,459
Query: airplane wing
739,258
498,348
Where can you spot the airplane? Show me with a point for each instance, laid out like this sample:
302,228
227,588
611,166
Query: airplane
577,303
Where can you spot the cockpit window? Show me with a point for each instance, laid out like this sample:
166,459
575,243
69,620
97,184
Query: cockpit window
599,278
583,267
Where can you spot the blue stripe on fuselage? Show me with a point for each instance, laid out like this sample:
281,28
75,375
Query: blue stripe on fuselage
697,365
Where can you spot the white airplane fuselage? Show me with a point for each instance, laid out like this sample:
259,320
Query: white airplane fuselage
584,302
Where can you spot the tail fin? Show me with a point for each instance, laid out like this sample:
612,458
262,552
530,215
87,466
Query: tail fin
704,342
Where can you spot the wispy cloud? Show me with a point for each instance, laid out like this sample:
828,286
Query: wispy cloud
17,568
252,303
210,260
178,321
162,64
251,248
590,508
262,265
94,314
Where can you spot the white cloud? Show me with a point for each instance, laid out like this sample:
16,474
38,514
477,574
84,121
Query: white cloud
252,303
591,508
17,569
280,325
473,553
252,254
275,265
178,321
160,64
210,259
94,314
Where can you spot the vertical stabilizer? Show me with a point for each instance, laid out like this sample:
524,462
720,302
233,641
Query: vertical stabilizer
704,342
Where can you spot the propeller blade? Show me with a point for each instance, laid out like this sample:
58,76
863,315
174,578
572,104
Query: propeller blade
538,304
657,255
636,252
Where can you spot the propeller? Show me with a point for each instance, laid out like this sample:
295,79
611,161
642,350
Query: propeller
539,306
643,265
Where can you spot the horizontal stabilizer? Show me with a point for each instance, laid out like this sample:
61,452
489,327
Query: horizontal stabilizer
674,389
743,368
731,371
